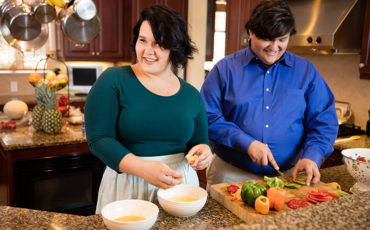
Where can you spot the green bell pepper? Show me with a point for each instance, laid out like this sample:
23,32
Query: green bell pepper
250,191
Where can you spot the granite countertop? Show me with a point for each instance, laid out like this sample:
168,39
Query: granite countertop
25,137
349,212
362,142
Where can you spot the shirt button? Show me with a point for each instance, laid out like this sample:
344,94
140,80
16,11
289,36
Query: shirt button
266,126
267,107
267,89
268,72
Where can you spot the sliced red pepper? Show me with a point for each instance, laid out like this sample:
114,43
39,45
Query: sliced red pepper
232,188
295,204
361,159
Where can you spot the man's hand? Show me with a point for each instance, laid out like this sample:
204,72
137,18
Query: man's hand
312,171
204,156
261,154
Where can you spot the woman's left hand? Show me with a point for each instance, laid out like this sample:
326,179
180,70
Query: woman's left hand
204,156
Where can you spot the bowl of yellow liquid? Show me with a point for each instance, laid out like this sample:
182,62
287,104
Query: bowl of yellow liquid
182,200
130,214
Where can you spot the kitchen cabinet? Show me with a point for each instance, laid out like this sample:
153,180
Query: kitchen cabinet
237,14
114,39
114,42
365,51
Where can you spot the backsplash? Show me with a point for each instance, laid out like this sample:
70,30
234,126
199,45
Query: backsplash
341,72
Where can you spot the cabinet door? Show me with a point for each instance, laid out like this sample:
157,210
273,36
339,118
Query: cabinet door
237,14
179,6
114,39
365,51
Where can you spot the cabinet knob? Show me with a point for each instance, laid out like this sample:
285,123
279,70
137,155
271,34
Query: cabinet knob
97,53
93,53
361,65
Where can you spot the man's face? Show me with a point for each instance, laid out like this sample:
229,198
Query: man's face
269,51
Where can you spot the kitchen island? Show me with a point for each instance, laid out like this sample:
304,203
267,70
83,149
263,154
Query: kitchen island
351,212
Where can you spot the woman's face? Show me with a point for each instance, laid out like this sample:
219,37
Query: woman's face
269,51
152,58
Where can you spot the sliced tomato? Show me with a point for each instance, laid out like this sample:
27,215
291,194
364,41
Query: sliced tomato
295,204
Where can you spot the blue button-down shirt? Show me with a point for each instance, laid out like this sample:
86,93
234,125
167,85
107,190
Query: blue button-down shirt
289,107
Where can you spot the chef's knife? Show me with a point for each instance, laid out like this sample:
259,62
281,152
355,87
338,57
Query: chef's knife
278,171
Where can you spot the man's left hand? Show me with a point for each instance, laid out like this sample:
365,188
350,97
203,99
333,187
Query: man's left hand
312,171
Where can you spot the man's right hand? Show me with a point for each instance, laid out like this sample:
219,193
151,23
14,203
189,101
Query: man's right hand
261,154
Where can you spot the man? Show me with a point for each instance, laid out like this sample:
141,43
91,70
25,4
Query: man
267,106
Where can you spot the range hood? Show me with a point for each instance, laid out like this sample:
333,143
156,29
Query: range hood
327,26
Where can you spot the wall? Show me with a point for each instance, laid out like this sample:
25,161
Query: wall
341,72
197,19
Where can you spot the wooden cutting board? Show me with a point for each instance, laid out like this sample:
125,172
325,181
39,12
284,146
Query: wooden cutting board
247,213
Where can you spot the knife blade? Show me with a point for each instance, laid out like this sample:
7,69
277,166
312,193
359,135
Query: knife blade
278,171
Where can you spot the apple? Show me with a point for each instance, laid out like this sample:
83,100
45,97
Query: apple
50,76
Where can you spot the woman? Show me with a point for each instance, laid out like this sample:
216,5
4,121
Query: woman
141,119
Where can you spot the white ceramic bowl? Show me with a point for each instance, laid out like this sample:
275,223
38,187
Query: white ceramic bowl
120,208
358,169
182,209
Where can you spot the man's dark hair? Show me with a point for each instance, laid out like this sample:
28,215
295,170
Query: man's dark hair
169,31
271,19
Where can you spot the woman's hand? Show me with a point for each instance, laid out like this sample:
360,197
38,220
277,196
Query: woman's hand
154,172
204,156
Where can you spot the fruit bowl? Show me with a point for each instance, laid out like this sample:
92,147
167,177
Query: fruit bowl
357,161
53,80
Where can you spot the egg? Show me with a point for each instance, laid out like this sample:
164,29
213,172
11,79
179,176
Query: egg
15,109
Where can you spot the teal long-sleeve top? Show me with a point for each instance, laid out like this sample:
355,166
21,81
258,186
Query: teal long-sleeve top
122,116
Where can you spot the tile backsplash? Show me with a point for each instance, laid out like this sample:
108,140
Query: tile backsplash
341,72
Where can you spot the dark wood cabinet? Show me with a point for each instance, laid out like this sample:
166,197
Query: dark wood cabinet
237,14
365,51
114,40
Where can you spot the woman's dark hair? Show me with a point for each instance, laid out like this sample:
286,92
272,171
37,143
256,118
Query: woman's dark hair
271,19
169,31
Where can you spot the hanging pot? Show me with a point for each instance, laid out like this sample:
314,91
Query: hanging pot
19,20
77,30
84,9
25,46
43,12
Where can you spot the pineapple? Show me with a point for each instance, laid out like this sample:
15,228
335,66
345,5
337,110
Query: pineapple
52,118
39,109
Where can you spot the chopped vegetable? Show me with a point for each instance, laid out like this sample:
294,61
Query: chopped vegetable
250,191
293,186
340,194
274,182
301,181
320,196
232,188
334,185
295,204
262,205
277,197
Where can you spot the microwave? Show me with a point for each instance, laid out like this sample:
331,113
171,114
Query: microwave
82,78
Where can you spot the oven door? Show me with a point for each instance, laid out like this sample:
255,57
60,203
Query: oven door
67,184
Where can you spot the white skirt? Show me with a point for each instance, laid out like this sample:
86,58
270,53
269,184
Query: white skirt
119,186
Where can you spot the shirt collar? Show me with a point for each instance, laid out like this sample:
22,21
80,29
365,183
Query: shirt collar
286,59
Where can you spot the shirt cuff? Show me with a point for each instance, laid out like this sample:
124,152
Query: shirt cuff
315,154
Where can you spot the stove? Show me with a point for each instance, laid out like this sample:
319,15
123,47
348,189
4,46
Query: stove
349,130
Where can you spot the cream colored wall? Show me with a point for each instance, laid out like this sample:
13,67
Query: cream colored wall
197,20
342,75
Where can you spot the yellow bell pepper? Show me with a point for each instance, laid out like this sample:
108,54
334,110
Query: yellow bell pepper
334,185
262,205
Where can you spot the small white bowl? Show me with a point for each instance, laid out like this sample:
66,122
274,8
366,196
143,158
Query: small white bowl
182,209
358,169
121,208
